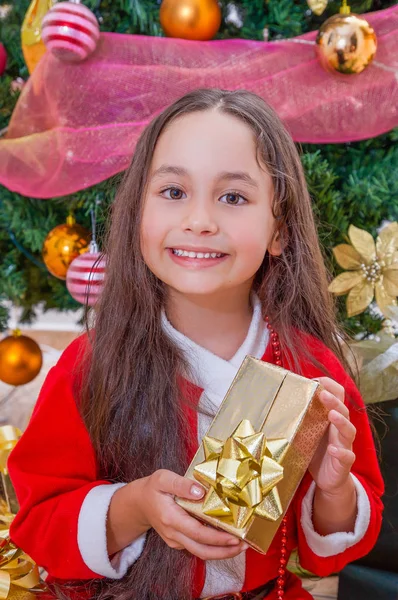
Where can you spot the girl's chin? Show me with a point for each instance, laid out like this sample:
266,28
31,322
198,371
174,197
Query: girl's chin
199,288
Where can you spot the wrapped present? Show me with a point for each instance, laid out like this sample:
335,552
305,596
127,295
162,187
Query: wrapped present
9,437
257,451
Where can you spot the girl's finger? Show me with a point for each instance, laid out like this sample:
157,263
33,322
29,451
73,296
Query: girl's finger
344,456
330,401
333,387
206,552
192,528
176,485
346,429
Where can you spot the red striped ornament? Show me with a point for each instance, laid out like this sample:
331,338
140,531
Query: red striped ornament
70,31
85,276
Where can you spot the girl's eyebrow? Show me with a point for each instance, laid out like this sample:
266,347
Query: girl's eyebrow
169,169
237,175
223,176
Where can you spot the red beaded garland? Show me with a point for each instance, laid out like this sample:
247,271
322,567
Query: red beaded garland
280,592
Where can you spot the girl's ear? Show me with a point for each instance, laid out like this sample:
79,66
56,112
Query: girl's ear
275,247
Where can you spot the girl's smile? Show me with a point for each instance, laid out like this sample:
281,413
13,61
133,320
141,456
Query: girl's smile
196,257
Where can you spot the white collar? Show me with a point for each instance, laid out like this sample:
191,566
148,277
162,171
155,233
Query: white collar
211,372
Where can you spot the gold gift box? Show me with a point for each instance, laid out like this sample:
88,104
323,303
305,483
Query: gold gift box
286,408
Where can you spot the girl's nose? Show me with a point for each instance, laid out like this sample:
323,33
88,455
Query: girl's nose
199,219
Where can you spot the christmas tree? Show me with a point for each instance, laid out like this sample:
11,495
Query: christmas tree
352,183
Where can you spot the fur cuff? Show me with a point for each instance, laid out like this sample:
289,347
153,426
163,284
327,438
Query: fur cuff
91,535
335,543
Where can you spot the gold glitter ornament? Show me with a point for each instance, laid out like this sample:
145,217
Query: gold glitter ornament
372,269
20,359
190,19
346,43
63,244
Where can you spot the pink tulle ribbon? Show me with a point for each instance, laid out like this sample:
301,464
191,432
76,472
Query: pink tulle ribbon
77,125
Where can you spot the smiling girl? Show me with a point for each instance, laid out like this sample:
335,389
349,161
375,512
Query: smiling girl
212,254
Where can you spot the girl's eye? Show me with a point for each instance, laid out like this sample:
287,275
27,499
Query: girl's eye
173,193
233,198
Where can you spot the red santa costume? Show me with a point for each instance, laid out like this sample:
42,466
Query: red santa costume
63,505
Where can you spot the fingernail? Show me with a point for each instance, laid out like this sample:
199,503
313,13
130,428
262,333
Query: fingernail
334,449
197,491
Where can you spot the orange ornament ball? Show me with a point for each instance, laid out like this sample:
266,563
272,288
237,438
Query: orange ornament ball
20,359
190,19
62,245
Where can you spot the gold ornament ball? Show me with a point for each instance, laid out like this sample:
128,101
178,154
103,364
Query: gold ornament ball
190,19
346,43
20,359
62,245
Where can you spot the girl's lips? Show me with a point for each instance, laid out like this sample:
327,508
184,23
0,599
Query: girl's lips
196,263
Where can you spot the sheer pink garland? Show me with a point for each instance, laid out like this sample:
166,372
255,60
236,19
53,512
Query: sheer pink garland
76,125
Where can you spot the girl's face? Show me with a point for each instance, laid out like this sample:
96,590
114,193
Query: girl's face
207,219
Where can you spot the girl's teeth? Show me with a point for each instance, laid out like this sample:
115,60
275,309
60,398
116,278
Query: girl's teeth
190,254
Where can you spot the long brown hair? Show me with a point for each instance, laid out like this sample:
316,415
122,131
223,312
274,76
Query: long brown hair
131,403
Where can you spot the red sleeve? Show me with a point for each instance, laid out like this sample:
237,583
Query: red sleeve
365,468
52,468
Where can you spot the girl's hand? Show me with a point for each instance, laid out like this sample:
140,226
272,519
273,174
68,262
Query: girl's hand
179,529
332,462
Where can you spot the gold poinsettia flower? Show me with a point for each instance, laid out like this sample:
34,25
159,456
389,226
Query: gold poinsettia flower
372,269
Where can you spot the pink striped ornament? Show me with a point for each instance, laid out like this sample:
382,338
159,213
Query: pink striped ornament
85,276
70,31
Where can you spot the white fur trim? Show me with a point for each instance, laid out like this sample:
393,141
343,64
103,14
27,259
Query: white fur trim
91,535
335,543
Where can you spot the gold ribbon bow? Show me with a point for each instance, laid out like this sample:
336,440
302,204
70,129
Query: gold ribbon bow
241,475
16,568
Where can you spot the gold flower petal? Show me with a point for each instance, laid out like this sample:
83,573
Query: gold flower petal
363,243
383,298
387,240
390,280
347,257
359,298
345,281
